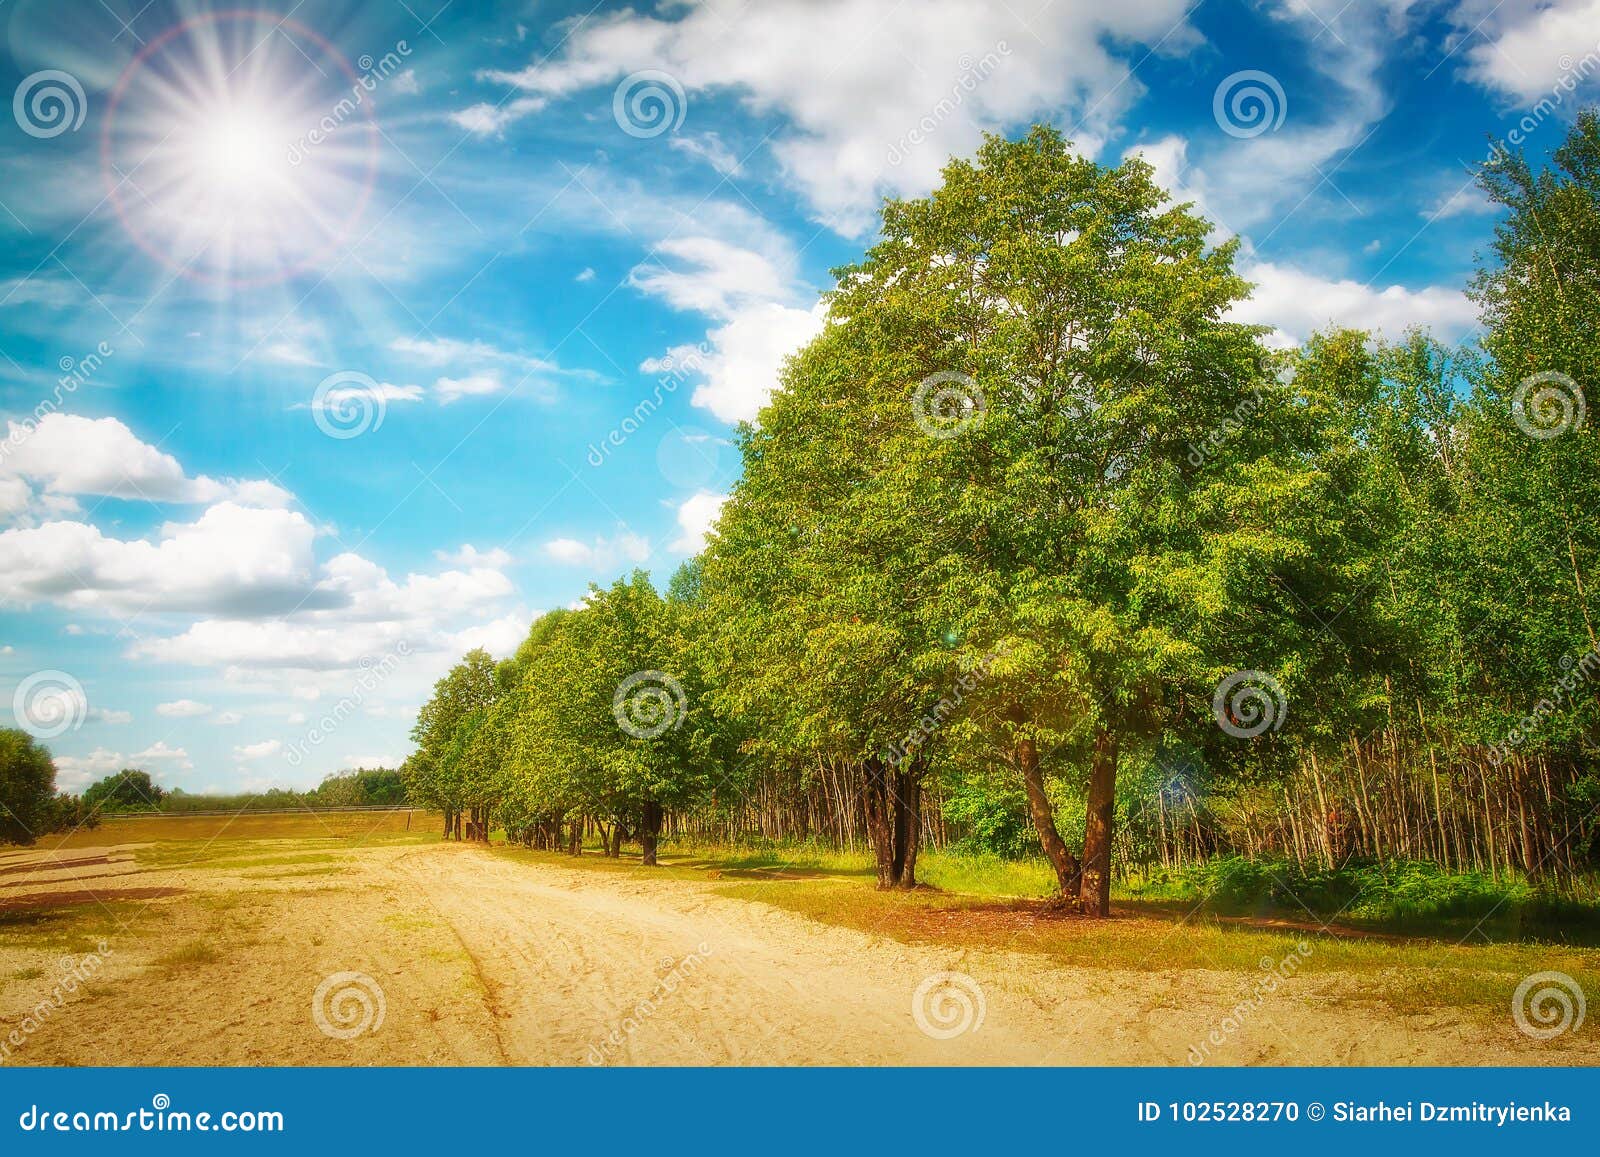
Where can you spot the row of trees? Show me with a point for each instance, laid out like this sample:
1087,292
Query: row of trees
1035,532
30,805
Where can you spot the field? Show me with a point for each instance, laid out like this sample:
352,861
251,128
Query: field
359,939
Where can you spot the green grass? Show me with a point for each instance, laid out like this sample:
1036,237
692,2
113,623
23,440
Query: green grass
1403,898
188,954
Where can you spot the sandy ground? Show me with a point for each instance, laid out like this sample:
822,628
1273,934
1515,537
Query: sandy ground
479,959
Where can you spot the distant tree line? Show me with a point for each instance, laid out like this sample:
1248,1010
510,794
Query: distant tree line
30,805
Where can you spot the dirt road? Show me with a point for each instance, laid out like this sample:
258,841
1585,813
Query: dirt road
474,958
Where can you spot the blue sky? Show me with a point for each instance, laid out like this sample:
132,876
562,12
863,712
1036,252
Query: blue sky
338,338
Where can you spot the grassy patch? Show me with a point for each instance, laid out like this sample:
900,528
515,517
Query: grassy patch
1405,898
188,954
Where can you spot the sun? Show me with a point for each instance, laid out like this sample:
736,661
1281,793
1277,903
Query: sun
239,152
239,147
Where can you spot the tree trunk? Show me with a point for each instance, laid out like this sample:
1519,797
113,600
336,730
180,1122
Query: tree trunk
1068,870
1096,894
615,850
907,824
575,837
876,804
649,832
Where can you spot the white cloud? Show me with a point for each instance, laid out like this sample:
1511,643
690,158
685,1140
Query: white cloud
586,275
101,715
1469,200
385,391
490,120
748,353
1522,48
70,455
183,709
875,94
1296,303
233,558
500,637
713,277
449,390
709,148
753,296
470,556
249,751
76,772
601,553
227,718
696,516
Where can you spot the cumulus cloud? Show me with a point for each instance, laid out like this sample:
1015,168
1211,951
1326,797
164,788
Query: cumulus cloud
874,94
67,455
251,751
183,709
600,553
1524,48
1296,303
234,559
696,516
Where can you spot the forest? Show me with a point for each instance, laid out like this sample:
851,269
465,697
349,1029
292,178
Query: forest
1038,553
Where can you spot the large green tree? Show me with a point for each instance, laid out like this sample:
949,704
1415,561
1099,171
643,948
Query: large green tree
28,806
